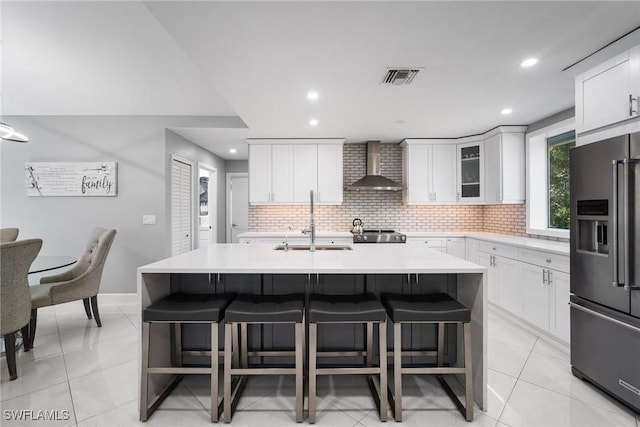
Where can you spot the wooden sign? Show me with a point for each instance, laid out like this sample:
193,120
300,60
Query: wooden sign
71,179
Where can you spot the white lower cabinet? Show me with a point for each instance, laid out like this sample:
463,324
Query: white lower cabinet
455,246
531,284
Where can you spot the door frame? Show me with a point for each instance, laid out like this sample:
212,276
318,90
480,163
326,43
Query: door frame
231,175
213,196
194,194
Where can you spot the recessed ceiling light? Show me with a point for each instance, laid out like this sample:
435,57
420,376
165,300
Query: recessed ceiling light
312,95
506,111
233,150
529,62
313,122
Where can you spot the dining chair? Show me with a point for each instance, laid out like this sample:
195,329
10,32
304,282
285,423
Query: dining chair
82,282
8,234
15,301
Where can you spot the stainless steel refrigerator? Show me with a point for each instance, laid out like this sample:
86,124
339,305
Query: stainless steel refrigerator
605,263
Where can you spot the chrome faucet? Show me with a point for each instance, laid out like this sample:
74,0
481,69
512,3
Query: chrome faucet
312,227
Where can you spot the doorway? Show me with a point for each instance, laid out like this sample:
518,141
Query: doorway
207,205
237,205
181,205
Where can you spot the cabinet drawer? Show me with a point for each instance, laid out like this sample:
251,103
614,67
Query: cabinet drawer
431,242
545,259
246,240
498,249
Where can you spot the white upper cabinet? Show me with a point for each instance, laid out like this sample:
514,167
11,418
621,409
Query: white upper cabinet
429,172
471,171
284,171
504,167
260,173
329,171
608,93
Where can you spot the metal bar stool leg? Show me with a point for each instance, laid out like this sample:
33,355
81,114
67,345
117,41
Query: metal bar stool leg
382,331
144,386
299,372
214,373
397,371
313,345
227,372
244,346
369,356
441,328
469,373
177,337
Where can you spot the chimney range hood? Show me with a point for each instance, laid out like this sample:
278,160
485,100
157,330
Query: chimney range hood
373,180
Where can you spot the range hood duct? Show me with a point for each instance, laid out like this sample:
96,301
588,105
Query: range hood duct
373,180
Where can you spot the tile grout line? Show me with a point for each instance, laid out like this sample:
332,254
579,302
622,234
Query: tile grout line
66,371
517,380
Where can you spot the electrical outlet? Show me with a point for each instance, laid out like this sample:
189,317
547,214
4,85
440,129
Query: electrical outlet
148,219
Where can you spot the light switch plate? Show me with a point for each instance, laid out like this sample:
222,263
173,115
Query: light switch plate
148,219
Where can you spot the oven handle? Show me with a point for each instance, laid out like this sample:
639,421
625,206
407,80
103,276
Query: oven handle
602,316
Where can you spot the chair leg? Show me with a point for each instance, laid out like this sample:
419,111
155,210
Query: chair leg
25,338
313,343
10,351
382,331
227,372
397,370
144,380
94,307
87,307
299,330
32,326
469,372
440,359
214,372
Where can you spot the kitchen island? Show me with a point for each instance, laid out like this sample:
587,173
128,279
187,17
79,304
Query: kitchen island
258,268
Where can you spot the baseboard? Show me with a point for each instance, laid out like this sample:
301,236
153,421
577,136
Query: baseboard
118,298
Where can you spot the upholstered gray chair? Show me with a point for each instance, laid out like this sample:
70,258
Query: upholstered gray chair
8,235
15,301
82,282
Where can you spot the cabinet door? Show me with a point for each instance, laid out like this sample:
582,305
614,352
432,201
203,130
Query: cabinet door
484,259
443,173
304,172
535,296
282,173
456,246
602,94
330,181
259,173
508,272
560,296
418,172
493,168
470,171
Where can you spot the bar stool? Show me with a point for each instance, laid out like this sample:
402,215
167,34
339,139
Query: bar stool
177,309
364,309
440,309
261,309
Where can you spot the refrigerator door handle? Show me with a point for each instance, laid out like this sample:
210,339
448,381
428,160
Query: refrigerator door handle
602,316
614,228
625,216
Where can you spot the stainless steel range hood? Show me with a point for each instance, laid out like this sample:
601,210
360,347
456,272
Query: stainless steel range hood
373,180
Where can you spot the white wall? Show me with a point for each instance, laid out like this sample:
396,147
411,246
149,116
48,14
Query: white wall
138,145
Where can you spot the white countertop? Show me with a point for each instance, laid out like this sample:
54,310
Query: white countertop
363,259
561,248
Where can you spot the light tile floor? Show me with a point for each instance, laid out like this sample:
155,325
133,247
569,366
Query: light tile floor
91,373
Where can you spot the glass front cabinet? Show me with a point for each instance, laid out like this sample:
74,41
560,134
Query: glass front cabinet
471,172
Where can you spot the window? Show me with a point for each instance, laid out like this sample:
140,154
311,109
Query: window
558,178
548,179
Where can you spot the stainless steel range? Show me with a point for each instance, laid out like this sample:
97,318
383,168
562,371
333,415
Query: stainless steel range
379,236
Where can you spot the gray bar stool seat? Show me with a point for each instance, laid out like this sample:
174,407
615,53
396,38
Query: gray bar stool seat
436,308
349,309
261,309
177,309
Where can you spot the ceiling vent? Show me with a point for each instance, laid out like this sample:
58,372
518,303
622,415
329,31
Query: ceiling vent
400,76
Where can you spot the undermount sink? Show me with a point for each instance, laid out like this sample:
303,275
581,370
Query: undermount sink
318,248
